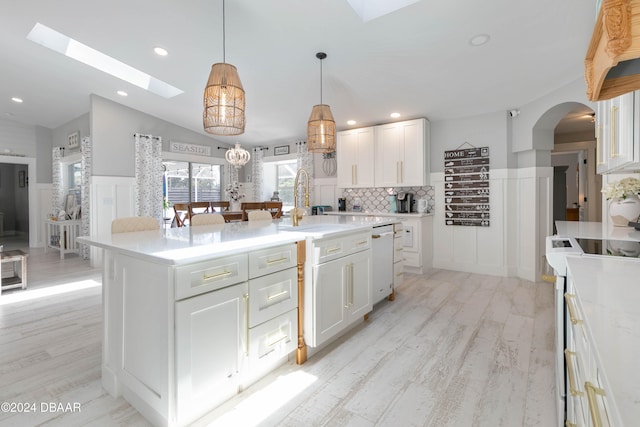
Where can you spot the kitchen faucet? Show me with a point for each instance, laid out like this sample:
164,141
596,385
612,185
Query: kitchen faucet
296,217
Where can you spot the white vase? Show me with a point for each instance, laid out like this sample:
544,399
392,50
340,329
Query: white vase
621,211
234,205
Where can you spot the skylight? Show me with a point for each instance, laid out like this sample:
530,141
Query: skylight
372,9
71,48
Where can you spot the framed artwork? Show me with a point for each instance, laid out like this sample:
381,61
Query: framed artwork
281,150
73,140
22,178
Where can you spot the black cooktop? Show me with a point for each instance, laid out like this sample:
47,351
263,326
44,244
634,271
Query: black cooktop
623,248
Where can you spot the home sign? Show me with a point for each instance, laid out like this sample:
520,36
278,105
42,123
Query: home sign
466,187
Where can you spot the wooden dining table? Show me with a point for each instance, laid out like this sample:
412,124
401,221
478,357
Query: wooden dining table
231,215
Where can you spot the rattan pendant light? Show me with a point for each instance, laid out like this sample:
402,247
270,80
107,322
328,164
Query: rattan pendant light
224,100
321,128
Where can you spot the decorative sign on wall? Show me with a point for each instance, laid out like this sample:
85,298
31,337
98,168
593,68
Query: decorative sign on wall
184,148
73,140
466,187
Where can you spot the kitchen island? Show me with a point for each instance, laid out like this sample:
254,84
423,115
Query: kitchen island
602,341
192,315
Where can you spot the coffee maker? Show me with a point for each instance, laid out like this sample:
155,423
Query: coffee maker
405,202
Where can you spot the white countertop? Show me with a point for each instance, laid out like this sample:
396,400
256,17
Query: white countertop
192,244
379,213
596,230
608,290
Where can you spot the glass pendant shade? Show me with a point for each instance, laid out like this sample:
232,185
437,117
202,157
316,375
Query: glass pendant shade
224,101
321,130
237,156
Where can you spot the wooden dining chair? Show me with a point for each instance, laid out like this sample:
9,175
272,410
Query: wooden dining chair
259,216
197,208
222,205
245,207
275,208
181,211
134,223
207,219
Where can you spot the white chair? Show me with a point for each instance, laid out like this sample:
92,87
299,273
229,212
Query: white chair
207,219
134,223
259,216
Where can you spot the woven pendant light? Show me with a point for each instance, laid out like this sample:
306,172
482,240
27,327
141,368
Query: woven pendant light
224,100
321,128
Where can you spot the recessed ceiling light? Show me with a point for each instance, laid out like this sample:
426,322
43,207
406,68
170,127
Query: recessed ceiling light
17,100
71,48
351,122
479,40
160,51
394,115
122,93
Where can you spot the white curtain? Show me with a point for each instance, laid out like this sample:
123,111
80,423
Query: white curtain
256,172
57,198
86,171
305,161
148,150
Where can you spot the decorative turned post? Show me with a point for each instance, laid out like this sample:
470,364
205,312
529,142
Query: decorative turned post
301,352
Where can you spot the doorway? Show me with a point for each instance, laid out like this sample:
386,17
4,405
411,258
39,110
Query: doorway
576,185
14,206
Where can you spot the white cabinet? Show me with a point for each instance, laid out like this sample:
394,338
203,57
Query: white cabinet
401,154
342,294
587,396
273,308
398,255
211,342
417,243
338,290
354,156
618,134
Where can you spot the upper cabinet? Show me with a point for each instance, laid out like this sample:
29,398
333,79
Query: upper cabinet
390,155
354,152
618,134
401,149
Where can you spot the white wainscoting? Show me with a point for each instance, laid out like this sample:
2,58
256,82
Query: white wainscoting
44,196
111,197
520,220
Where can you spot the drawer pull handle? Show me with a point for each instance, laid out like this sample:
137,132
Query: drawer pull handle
279,294
399,274
570,373
334,249
375,236
276,261
568,424
362,242
276,341
569,298
593,405
217,276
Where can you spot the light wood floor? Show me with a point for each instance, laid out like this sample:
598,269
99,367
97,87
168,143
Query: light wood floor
453,349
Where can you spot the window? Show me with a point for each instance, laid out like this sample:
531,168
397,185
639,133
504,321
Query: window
279,176
186,182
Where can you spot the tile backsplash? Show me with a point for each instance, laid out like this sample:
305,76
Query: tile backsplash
376,199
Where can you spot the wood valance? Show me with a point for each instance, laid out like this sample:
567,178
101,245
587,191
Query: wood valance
611,68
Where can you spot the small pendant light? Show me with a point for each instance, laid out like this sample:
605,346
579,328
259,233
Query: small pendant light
224,101
237,156
321,128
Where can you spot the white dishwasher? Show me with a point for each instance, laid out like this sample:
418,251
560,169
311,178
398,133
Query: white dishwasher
382,258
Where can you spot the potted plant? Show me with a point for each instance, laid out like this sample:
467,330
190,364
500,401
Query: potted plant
624,205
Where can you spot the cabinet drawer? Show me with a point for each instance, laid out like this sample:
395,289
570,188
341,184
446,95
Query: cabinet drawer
411,259
274,338
329,249
272,295
272,259
207,276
